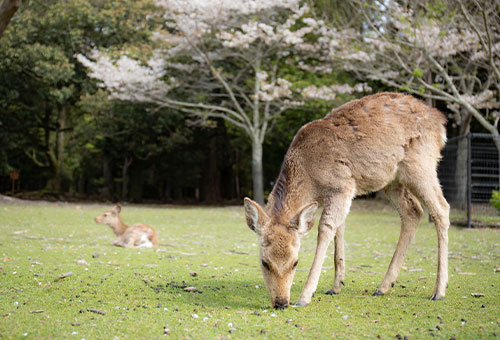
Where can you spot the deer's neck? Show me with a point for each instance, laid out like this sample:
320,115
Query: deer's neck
119,227
292,191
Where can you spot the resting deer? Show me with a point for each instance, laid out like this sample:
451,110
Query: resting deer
386,141
137,235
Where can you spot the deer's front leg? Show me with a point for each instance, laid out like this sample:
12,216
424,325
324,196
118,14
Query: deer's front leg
118,242
334,214
326,233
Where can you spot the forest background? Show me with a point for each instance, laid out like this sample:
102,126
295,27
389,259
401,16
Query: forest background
191,101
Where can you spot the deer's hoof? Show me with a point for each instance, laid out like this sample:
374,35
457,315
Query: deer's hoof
300,303
436,297
331,292
377,293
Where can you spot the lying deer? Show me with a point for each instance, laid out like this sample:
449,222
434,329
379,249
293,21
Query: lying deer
138,235
386,141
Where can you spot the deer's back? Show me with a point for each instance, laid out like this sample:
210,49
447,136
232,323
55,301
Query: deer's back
366,139
139,231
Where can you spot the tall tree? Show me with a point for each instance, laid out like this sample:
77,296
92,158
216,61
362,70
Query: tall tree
40,79
125,137
443,50
230,60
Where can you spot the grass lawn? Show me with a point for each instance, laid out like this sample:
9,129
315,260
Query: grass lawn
117,293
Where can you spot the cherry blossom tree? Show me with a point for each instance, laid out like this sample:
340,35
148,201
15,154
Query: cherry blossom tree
443,50
228,59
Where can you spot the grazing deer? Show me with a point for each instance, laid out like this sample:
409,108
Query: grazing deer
138,235
386,141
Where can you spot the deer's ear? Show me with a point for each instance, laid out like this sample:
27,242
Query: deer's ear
303,221
255,215
117,209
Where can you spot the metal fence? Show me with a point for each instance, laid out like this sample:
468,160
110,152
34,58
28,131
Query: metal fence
469,172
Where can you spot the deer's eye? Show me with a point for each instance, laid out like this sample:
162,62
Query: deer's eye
265,265
295,264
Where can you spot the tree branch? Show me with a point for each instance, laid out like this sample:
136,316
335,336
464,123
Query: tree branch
7,10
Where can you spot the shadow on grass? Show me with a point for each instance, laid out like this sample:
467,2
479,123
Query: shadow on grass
214,293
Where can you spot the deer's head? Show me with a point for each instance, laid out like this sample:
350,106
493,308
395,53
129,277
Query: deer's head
110,217
279,247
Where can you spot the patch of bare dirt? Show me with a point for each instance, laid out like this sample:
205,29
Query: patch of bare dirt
11,200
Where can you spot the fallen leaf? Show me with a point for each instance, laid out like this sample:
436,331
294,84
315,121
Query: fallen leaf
64,275
477,295
37,311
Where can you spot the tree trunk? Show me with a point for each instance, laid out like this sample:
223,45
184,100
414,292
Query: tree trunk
107,173
56,157
7,10
460,198
60,147
81,184
496,140
236,171
257,172
136,182
125,177
210,181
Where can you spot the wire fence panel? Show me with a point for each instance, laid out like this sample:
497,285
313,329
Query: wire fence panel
469,172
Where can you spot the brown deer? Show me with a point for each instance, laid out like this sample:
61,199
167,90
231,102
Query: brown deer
137,235
386,141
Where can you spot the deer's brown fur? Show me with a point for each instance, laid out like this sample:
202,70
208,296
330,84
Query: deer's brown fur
387,141
137,235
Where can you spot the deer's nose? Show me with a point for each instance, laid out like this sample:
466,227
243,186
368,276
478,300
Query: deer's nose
280,303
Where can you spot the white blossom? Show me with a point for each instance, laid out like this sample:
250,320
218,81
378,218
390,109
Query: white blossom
483,100
128,79
330,92
272,91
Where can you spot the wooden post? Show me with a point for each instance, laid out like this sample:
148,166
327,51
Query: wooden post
14,176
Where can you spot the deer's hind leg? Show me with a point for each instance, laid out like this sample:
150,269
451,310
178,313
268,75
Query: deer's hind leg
410,211
424,183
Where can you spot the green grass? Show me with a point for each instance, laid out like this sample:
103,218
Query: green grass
139,289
